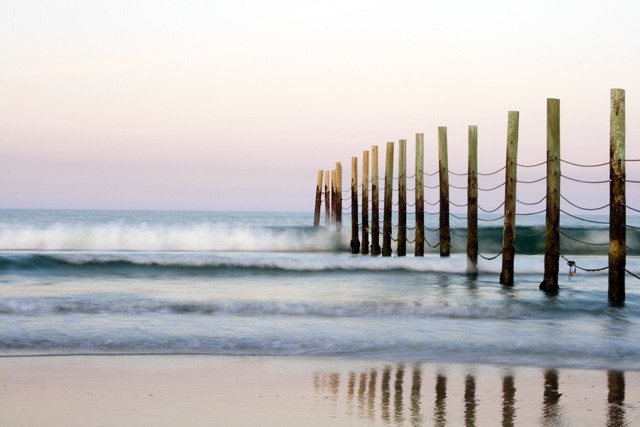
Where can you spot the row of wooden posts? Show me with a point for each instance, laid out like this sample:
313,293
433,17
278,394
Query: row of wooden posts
617,221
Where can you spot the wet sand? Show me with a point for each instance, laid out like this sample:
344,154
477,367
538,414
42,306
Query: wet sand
251,391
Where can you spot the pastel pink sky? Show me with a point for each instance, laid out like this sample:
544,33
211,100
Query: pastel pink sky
235,105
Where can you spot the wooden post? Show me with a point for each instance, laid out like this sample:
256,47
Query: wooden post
334,198
419,248
617,199
355,241
365,202
327,203
316,213
402,198
509,233
338,195
388,202
472,203
552,234
375,203
445,235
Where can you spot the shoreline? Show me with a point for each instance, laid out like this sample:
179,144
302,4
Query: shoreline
288,390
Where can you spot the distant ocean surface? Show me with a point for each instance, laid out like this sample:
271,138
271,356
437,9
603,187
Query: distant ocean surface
264,283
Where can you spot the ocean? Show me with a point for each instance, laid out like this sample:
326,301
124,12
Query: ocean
270,284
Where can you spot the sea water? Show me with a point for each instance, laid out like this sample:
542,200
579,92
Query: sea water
264,283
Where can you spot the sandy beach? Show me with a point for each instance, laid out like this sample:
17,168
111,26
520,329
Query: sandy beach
247,391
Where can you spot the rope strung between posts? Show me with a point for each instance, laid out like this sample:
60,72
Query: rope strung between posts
490,258
531,213
632,250
519,233
497,238
631,182
572,263
629,207
583,181
527,253
433,230
486,211
493,173
580,241
584,166
494,219
458,174
531,182
429,244
531,204
457,217
430,174
458,188
432,204
460,206
584,209
586,220
532,166
491,189
431,187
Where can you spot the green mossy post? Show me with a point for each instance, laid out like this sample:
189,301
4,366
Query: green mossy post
419,245
375,203
327,202
365,202
472,203
552,234
509,233
316,213
402,198
334,198
617,199
443,170
355,241
388,202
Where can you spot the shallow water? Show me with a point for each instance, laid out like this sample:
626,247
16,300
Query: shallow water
95,282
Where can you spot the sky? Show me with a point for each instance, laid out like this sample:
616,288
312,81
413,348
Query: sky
235,105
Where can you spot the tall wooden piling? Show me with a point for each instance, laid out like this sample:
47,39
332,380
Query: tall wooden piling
388,202
375,203
334,198
443,171
402,198
365,202
509,233
327,202
419,245
472,203
552,234
617,198
338,195
355,240
316,213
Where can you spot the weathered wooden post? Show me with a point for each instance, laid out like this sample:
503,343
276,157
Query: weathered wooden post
355,241
388,202
419,248
365,202
316,213
402,199
334,198
327,203
375,203
509,233
443,170
338,195
472,203
617,199
552,234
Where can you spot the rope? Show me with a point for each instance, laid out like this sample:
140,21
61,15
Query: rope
432,187
584,166
495,219
430,174
493,173
532,166
530,182
586,220
580,241
583,269
456,217
434,230
491,189
528,253
429,244
530,234
632,182
455,204
531,213
485,211
432,204
584,182
586,209
531,204
497,238
458,174
458,188
632,274
629,207
491,258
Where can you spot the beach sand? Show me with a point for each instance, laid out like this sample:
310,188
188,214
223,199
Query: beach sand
172,390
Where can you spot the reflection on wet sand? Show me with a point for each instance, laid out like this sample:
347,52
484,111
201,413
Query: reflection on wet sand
395,395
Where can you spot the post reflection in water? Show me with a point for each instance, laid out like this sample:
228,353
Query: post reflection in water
615,399
508,401
395,395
